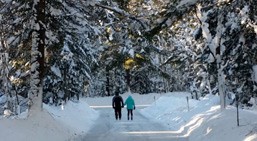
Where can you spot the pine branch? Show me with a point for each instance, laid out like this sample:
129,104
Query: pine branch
122,13
173,14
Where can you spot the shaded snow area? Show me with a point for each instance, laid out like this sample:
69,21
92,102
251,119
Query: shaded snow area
202,120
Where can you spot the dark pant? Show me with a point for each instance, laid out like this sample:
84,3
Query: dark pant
117,113
130,112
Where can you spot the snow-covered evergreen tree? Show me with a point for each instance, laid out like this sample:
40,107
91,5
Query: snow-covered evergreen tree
71,48
67,28
225,30
10,37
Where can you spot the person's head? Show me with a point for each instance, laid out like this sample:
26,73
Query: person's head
116,93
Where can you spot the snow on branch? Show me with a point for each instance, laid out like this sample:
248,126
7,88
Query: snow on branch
172,15
123,13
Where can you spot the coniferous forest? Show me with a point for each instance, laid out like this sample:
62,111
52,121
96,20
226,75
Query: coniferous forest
52,51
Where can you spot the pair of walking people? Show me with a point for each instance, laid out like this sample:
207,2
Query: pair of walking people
117,104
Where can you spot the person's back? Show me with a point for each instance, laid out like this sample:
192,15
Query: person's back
117,104
130,103
130,106
117,101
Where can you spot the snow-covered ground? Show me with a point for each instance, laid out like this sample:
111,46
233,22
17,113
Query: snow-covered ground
201,121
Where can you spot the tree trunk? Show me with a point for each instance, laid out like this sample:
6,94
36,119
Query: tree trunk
128,79
218,57
107,82
65,82
255,83
37,55
4,72
221,84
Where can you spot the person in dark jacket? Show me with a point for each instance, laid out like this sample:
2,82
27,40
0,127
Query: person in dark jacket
117,104
130,106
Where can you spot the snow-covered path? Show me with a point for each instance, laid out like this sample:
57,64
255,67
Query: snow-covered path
140,129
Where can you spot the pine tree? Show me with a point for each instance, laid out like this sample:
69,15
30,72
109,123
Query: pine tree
9,41
225,35
37,54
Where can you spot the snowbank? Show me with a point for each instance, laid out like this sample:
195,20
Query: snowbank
77,117
51,124
39,127
203,121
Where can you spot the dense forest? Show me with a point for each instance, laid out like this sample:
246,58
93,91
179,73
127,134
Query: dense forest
69,49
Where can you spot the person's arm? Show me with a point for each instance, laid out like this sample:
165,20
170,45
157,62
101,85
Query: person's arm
112,102
126,102
134,104
122,102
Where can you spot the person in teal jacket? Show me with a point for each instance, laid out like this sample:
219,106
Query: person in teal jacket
130,106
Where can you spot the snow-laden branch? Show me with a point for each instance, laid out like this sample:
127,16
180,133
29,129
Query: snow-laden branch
172,15
123,13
